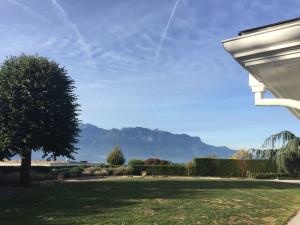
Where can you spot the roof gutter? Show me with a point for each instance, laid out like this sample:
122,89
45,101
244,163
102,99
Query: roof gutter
261,51
259,89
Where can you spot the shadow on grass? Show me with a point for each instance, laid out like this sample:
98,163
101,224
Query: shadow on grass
93,198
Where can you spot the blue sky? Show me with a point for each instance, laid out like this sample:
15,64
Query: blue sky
155,64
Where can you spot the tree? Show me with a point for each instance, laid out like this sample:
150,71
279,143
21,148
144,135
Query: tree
242,154
38,111
288,155
116,157
212,156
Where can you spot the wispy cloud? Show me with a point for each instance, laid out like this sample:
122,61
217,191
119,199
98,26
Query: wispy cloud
28,10
163,36
84,46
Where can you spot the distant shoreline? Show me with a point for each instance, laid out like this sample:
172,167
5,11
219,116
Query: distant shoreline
32,161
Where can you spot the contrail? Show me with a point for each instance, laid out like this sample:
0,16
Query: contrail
165,31
64,17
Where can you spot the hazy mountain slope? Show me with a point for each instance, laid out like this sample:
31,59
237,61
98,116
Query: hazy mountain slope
95,143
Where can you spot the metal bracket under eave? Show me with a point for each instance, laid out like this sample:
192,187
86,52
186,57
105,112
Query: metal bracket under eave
259,89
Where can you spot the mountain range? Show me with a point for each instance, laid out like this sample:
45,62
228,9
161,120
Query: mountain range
142,143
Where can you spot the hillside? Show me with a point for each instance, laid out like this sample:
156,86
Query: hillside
142,143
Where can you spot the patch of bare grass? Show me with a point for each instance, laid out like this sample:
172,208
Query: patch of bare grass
269,219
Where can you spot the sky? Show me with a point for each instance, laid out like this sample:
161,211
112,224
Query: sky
154,64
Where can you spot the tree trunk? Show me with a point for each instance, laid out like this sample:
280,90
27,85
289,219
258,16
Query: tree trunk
25,169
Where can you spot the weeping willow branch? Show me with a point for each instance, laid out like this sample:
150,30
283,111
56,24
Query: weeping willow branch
288,156
284,136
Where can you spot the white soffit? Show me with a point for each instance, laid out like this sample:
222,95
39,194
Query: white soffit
271,54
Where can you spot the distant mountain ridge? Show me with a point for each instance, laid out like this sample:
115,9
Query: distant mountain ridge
142,143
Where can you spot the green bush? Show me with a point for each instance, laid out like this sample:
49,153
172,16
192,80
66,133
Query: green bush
116,157
72,171
123,170
101,172
168,170
136,162
232,167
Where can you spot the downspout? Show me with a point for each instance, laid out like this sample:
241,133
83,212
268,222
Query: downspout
259,89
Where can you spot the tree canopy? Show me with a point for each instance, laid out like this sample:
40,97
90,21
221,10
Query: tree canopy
242,154
287,155
116,157
38,109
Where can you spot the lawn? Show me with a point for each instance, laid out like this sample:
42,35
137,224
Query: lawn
155,201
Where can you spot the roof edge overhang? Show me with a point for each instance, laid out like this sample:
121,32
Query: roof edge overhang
270,40
265,46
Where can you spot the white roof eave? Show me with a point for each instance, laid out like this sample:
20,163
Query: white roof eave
272,56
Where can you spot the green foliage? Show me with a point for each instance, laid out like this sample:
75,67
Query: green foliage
116,157
232,167
37,108
288,156
68,171
284,136
167,170
288,161
123,170
136,162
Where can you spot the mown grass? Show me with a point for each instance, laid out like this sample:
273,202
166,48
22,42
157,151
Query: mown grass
155,201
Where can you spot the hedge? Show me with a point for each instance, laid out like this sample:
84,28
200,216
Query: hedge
171,170
48,169
41,169
201,167
269,175
232,167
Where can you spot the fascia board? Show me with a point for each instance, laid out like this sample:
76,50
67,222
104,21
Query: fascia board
274,38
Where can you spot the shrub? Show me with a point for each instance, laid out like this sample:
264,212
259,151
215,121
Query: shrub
101,172
123,170
136,162
156,161
37,176
116,157
171,170
74,171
